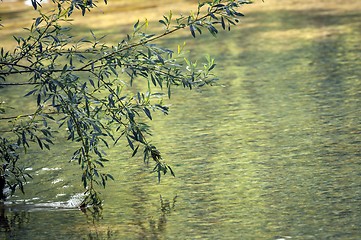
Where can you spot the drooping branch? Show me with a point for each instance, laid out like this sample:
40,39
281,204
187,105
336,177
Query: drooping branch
97,107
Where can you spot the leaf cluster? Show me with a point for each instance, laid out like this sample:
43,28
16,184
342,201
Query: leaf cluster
86,87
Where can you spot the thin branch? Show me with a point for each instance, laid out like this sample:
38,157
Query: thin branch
17,84
23,54
148,40
31,115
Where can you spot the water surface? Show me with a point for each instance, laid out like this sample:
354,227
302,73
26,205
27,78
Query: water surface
274,153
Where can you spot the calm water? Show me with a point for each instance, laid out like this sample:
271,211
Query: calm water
273,154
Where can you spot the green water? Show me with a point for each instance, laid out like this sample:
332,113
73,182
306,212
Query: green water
274,153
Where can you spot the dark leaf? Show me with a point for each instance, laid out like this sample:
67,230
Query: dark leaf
218,5
38,21
105,142
130,143
23,139
100,163
49,141
29,176
192,28
39,142
211,67
91,82
46,146
21,186
239,14
213,16
212,30
136,25
147,112
169,91
223,23
38,99
135,151
171,171
31,92
160,59
163,22
153,80
229,13
34,3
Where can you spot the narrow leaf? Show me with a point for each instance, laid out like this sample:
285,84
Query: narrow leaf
223,23
31,92
135,151
136,25
147,112
171,171
33,2
192,28
130,143
38,100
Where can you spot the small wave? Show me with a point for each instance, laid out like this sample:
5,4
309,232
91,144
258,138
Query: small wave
72,203
28,205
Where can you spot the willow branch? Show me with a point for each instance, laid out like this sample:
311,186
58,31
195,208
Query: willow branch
149,40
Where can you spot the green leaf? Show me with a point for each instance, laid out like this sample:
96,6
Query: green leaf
160,58
169,91
211,67
113,70
163,22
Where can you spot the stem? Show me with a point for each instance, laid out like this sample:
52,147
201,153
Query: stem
147,41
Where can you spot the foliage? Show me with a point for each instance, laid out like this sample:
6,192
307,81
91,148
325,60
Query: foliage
81,87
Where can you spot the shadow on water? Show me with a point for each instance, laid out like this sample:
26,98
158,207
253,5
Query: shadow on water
19,221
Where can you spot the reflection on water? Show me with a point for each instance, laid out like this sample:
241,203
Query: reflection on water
275,154
26,221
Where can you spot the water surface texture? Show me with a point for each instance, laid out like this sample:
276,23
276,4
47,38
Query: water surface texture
273,153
